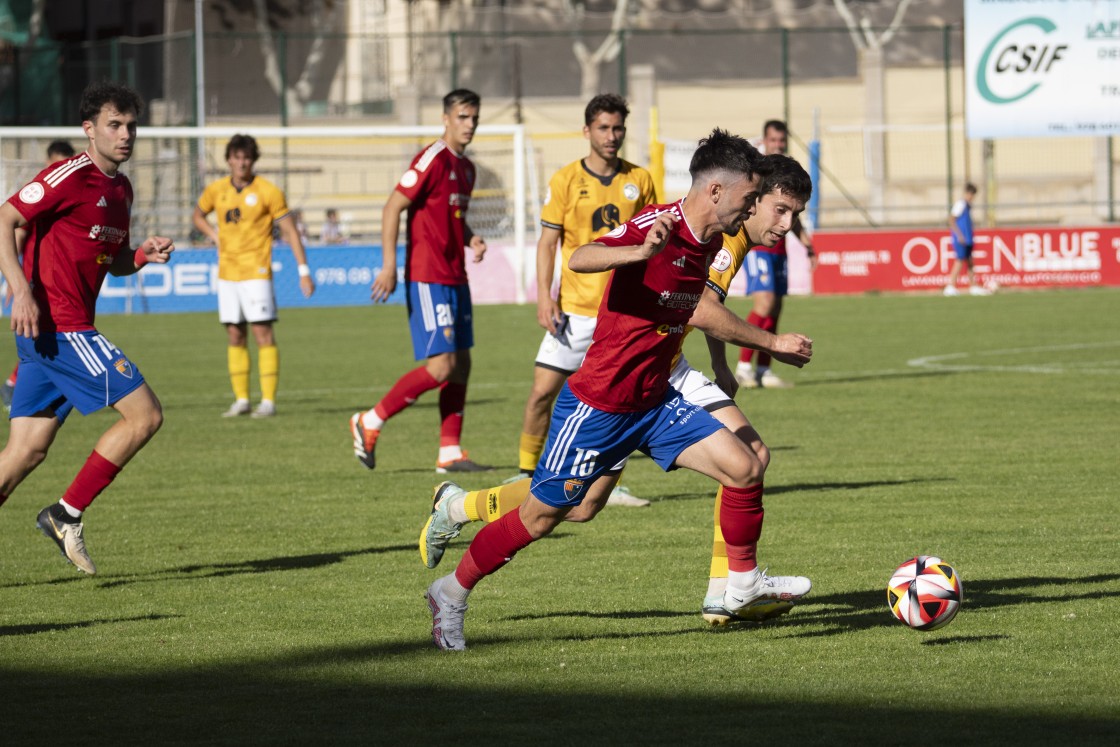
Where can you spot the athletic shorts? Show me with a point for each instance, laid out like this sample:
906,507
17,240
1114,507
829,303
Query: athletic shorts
698,388
962,251
246,301
585,443
439,317
767,272
68,370
564,351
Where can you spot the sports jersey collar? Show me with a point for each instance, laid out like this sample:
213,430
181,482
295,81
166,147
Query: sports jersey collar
604,180
692,237
247,184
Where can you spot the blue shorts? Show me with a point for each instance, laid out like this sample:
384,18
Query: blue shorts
585,443
440,318
767,272
68,370
962,251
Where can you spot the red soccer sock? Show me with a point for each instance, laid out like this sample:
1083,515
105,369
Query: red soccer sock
494,546
740,517
14,376
745,354
452,400
405,392
95,476
770,324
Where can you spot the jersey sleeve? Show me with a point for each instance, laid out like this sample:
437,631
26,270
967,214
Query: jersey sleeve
417,182
38,198
277,203
649,189
555,202
958,208
208,199
727,262
628,234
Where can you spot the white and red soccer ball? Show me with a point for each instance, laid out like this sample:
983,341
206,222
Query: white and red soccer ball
925,593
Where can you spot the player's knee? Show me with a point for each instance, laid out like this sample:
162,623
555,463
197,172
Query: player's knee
745,473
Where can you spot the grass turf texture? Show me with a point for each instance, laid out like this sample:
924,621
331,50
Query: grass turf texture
258,585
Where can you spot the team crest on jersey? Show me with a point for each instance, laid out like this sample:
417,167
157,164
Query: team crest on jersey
251,199
573,489
617,232
605,217
32,193
123,367
722,261
630,191
409,179
449,334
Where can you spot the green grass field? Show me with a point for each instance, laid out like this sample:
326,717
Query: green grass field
257,585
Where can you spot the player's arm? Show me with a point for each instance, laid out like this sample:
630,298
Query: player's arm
713,318
154,249
596,257
386,281
722,374
198,218
290,232
805,236
476,243
25,312
548,311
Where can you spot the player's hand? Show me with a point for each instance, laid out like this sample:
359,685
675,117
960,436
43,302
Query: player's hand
158,249
658,235
549,314
384,285
813,262
478,246
25,316
793,348
725,380
306,286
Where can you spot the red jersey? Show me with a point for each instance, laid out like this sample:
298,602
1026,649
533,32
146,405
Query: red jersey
643,316
79,221
439,184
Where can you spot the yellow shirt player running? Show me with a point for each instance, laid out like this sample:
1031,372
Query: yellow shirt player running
247,206
586,199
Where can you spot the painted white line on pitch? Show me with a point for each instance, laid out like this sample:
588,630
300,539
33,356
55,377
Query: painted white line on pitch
941,362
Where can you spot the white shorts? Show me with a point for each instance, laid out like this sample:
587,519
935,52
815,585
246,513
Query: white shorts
246,301
564,351
697,388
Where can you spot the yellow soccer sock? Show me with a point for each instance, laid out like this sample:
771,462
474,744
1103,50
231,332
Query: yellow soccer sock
719,548
491,504
238,360
268,358
529,452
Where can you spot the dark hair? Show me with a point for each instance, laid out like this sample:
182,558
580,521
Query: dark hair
245,143
460,96
775,124
611,103
60,148
970,187
722,151
783,174
97,95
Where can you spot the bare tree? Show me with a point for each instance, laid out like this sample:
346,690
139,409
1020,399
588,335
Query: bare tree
590,62
869,46
298,93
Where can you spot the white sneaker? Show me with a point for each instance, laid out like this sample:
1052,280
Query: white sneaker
447,619
239,407
976,290
770,380
951,290
746,377
769,588
265,409
68,537
621,496
717,615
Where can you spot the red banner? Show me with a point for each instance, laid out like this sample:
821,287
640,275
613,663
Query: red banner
1007,258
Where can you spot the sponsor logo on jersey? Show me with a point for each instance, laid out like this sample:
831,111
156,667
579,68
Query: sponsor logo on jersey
123,367
409,179
722,261
108,234
630,191
679,262
453,177
103,259
573,489
233,216
676,300
32,193
102,202
670,329
606,216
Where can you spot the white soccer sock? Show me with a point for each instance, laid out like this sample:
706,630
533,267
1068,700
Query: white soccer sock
457,509
450,453
450,587
75,513
370,420
716,586
743,584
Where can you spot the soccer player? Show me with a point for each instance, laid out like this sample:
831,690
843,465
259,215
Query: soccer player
960,228
247,206
620,399
767,280
77,214
784,190
586,198
436,192
57,150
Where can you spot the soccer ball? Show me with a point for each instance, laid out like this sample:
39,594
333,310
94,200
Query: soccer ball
925,593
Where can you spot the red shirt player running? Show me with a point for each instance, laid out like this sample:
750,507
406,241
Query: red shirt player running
78,216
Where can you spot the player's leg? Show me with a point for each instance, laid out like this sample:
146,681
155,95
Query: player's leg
268,367
538,411
232,316
8,388
760,288
771,307
433,342
960,255
453,392
29,439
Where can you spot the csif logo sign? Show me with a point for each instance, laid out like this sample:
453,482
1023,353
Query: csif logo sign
1014,61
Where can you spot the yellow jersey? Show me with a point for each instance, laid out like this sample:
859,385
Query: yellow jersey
583,206
245,218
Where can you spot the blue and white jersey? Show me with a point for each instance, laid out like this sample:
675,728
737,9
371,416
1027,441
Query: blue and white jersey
962,216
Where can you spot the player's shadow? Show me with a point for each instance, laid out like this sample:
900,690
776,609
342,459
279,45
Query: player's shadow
917,374
34,628
811,487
